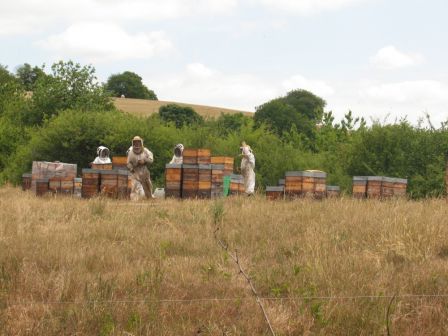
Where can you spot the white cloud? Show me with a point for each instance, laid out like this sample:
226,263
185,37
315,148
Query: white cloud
306,7
100,42
318,87
391,58
24,16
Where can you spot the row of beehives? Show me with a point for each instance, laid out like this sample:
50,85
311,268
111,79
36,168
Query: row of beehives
298,184
60,178
200,176
378,187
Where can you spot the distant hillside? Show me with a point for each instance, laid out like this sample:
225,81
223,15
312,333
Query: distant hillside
144,107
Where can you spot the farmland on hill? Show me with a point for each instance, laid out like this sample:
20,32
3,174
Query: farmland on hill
143,107
332,267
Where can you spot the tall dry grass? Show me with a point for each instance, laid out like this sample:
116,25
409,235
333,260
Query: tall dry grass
103,267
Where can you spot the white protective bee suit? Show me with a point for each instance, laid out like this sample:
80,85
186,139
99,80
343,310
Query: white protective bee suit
178,154
102,155
138,158
247,169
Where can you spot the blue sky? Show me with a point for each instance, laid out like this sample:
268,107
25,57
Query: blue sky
382,59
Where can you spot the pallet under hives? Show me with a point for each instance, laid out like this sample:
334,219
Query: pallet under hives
378,187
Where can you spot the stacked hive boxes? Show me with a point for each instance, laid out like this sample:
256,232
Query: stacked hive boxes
59,174
173,180
200,175
236,184
378,187
90,183
305,184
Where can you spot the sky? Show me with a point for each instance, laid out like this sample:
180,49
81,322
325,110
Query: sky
384,60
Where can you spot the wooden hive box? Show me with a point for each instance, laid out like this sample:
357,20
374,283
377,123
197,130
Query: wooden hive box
109,183
26,181
387,187
204,156
359,187
333,191
123,179
90,183
400,186
308,184
41,187
320,185
374,186
190,156
77,186
190,180
275,192
235,184
102,166
173,180
119,162
227,161
217,189
205,181
293,184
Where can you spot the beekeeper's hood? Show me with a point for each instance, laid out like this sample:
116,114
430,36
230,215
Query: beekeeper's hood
178,150
102,151
137,145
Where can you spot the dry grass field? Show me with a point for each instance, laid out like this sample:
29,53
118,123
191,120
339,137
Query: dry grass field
142,107
105,267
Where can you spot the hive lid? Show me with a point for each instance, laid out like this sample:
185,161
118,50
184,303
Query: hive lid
401,180
308,174
294,173
91,171
375,178
333,188
275,188
190,166
205,166
359,178
173,166
320,174
109,172
389,179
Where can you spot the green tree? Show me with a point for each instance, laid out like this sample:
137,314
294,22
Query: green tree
28,76
179,115
299,107
228,123
130,85
70,86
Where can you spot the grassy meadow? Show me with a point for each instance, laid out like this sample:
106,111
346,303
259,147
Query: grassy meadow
105,267
144,107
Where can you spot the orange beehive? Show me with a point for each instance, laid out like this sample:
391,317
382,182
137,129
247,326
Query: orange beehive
293,183
275,192
359,187
190,156
90,183
190,181
173,180
109,183
119,162
374,186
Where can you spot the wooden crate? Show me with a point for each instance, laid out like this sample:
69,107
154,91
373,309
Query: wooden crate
387,187
333,191
109,183
359,187
90,183
190,180
204,156
400,186
320,185
119,162
275,192
374,186
102,166
173,180
190,156
308,183
41,187
293,184
26,181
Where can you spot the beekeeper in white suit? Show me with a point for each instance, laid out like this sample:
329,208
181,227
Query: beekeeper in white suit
247,168
138,159
178,154
102,155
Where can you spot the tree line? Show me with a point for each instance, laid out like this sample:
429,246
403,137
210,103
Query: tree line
69,114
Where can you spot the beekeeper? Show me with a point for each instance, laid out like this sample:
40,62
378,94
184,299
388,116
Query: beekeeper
102,155
178,154
247,168
138,159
